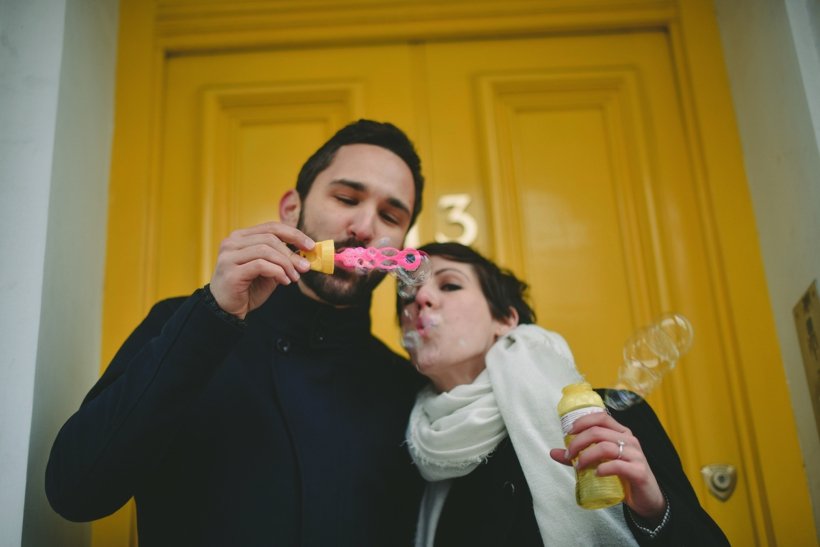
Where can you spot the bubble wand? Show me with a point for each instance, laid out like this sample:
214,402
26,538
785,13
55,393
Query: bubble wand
323,258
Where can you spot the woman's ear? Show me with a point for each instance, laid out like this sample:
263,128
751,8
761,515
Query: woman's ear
289,207
507,324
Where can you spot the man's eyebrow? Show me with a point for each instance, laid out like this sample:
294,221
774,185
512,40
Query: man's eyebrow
352,184
361,187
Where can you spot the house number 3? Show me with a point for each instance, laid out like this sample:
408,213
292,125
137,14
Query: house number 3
456,207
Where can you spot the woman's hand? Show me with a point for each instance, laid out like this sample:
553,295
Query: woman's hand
596,441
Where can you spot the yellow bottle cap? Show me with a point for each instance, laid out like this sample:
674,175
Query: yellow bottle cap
322,256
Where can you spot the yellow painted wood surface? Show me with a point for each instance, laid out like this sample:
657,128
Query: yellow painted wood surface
594,140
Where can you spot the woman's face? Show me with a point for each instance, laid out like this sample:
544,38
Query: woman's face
448,328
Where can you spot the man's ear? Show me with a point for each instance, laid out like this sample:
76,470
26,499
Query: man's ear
290,205
508,323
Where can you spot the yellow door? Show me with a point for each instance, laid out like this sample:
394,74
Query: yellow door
237,128
573,150
569,157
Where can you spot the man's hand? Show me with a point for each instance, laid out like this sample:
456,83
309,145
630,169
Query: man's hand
252,262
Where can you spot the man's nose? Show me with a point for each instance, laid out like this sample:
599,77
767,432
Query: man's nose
361,227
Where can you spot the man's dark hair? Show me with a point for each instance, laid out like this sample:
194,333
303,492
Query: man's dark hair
502,289
383,134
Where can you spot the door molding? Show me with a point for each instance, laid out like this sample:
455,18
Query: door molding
185,27
151,32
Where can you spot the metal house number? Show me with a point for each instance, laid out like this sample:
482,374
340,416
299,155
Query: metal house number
456,207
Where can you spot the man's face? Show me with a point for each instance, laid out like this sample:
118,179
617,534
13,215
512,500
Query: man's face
364,198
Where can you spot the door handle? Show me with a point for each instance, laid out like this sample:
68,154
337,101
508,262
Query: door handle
721,478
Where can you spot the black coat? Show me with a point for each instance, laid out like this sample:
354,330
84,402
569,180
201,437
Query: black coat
492,506
286,432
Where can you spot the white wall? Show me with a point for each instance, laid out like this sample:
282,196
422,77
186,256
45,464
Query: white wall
772,49
56,114
30,54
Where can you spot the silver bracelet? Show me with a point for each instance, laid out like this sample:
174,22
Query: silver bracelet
651,532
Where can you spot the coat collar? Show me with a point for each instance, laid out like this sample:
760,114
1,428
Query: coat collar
307,321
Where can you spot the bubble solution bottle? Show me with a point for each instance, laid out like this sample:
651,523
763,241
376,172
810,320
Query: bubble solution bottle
591,491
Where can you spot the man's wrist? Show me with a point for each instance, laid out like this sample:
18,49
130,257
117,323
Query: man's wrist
211,302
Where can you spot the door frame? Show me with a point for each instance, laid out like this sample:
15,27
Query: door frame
754,368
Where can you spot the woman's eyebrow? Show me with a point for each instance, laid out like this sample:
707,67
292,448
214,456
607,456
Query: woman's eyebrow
450,269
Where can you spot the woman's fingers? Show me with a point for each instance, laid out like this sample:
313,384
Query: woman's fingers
599,430
601,441
601,419
597,451
559,455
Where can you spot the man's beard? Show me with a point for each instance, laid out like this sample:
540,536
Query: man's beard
343,287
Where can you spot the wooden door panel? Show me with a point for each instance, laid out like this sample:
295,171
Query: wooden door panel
570,151
238,127
574,150
588,146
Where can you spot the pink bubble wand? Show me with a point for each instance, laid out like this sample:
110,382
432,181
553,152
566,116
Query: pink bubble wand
384,259
410,266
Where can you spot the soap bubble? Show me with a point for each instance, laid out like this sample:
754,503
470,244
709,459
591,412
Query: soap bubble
647,356
415,330
409,281
410,340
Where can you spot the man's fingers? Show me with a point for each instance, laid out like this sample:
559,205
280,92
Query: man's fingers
250,256
284,232
260,267
290,262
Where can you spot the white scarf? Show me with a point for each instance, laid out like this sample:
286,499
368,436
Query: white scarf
451,433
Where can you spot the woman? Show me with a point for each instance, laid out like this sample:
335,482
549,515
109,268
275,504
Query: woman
480,431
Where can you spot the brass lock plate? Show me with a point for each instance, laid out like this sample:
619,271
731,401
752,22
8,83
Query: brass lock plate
721,478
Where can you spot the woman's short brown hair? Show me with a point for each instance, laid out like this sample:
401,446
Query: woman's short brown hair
502,289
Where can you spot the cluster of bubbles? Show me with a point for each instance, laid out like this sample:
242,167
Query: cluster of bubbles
408,282
410,339
648,355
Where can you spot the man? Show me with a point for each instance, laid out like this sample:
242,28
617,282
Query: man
261,410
